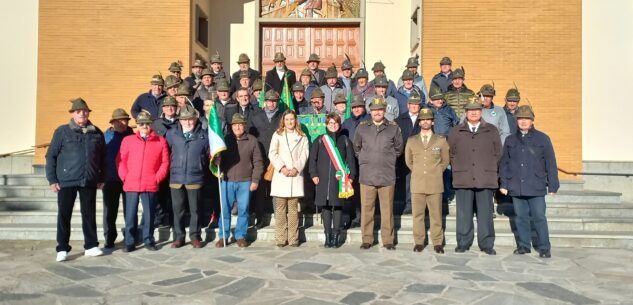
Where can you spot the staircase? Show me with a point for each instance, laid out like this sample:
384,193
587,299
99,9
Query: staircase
577,218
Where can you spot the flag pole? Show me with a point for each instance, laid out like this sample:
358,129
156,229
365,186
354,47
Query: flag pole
224,238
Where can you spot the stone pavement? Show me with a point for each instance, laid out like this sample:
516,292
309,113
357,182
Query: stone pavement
310,274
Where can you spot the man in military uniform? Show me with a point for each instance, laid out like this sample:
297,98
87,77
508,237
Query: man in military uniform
458,94
475,150
427,157
444,78
331,88
244,63
381,86
279,74
318,75
444,118
217,68
513,97
417,80
407,89
347,79
195,77
363,88
150,101
206,86
264,124
379,70
493,114
408,123
377,143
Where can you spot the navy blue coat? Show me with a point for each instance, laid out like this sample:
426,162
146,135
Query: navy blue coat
189,158
528,165
442,81
113,141
348,128
75,158
148,102
444,119
512,121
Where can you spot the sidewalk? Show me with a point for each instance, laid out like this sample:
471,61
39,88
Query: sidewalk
310,274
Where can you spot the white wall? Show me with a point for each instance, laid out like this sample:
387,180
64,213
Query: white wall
18,80
607,79
387,35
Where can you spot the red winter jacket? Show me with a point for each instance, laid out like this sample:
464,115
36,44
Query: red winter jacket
143,164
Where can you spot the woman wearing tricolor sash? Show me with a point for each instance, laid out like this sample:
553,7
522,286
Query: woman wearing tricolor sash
332,168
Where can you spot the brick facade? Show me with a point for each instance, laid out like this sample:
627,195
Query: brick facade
536,44
105,52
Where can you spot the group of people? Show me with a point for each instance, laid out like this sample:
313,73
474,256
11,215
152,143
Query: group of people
379,139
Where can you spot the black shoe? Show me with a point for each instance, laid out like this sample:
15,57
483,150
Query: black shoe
390,247
151,248
336,242
109,245
328,241
521,250
545,254
489,251
355,224
460,250
407,211
128,249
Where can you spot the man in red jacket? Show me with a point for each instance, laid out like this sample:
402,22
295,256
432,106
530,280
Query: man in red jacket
143,162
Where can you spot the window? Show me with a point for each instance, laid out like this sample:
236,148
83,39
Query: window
202,28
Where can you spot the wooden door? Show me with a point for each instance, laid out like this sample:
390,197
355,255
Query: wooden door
331,43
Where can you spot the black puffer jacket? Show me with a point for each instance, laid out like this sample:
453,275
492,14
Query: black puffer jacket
75,158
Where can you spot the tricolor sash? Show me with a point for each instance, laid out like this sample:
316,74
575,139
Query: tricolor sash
345,189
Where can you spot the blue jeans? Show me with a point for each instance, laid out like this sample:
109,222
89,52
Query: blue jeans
148,199
234,191
534,208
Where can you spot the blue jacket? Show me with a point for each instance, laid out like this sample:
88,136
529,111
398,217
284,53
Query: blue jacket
348,128
403,98
512,121
528,165
113,144
75,158
148,102
189,158
442,81
444,119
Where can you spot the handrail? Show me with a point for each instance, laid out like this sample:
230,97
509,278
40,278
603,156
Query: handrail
593,174
24,151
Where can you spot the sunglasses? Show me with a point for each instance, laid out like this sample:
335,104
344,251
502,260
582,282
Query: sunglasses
142,124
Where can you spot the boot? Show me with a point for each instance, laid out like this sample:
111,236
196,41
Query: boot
328,241
336,242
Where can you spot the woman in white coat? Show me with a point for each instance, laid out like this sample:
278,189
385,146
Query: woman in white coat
288,154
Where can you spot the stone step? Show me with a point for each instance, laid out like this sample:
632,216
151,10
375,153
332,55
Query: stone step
26,191
572,185
26,179
583,196
622,240
577,224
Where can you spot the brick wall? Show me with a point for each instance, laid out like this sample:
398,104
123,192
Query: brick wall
105,52
537,44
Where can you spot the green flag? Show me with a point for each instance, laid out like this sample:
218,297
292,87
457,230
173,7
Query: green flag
261,98
286,98
348,109
216,139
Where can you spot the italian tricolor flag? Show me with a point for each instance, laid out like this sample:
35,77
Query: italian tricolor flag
345,189
216,139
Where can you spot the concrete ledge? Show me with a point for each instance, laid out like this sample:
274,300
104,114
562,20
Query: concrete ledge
16,165
610,183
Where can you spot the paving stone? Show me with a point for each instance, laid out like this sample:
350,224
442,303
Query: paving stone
198,286
300,276
425,288
474,276
178,280
357,298
309,301
335,276
452,268
209,272
77,291
391,263
554,291
5,297
309,267
452,260
242,288
100,270
191,270
230,259
68,272
152,294
505,298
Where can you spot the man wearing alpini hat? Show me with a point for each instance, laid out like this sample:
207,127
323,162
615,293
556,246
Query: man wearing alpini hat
377,143
279,74
150,101
244,62
113,187
475,150
75,163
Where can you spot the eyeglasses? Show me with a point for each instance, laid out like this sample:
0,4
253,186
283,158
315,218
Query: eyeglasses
142,124
332,123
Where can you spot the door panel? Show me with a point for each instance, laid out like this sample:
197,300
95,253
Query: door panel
331,43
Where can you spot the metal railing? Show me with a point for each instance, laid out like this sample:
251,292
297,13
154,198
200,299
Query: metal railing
594,174
24,151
